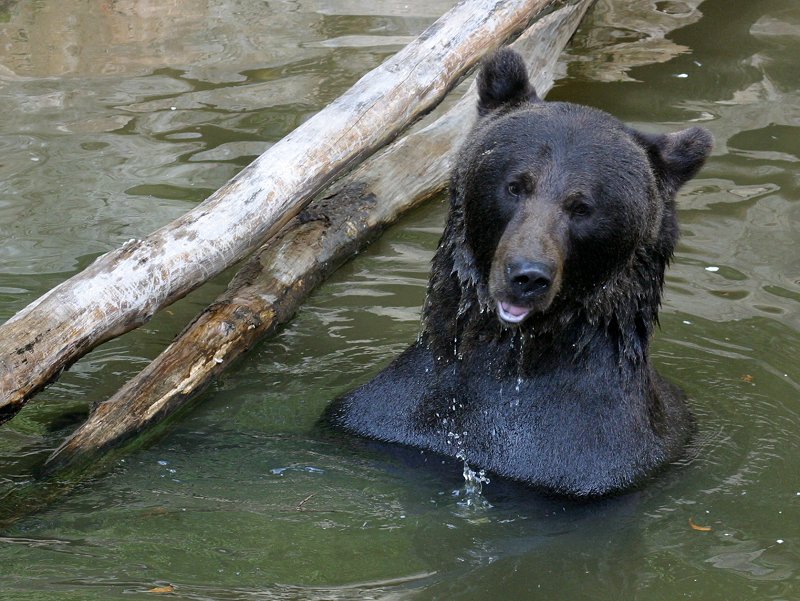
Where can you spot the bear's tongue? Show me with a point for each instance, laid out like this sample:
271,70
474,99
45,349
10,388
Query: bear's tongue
511,313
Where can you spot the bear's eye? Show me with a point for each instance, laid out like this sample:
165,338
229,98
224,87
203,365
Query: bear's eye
515,188
579,208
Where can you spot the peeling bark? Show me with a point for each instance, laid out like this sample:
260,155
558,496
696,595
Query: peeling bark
271,286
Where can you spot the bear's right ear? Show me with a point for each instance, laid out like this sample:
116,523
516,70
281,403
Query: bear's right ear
503,81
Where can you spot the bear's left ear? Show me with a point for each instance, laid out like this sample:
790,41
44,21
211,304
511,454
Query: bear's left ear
677,157
503,81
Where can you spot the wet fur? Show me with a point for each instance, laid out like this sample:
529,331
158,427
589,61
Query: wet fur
566,401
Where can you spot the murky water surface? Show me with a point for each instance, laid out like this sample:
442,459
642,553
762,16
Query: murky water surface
118,116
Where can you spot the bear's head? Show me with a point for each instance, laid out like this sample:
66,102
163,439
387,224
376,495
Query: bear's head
558,202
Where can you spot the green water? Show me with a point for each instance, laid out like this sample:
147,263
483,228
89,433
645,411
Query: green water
119,116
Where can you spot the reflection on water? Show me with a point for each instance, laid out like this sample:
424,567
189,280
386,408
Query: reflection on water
158,103
120,115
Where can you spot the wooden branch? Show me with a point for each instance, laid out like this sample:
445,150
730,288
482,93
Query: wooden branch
124,288
271,286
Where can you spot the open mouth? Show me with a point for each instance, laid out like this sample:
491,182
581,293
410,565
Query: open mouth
511,313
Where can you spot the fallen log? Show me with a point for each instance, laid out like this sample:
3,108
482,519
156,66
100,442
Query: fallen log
122,289
270,287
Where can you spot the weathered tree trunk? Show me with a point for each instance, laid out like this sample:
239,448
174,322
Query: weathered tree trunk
270,287
124,288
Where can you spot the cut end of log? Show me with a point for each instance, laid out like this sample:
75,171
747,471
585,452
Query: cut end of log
8,411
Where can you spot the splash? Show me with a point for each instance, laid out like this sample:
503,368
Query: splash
473,481
470,494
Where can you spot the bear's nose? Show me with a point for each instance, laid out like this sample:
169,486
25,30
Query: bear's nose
529,279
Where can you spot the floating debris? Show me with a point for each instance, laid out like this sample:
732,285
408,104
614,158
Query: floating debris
699,528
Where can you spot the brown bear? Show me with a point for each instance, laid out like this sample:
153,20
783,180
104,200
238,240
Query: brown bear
533,359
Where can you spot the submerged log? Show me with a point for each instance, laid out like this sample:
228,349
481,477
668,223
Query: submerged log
122,289
270,287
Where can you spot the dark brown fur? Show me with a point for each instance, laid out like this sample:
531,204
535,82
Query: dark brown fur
544,291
